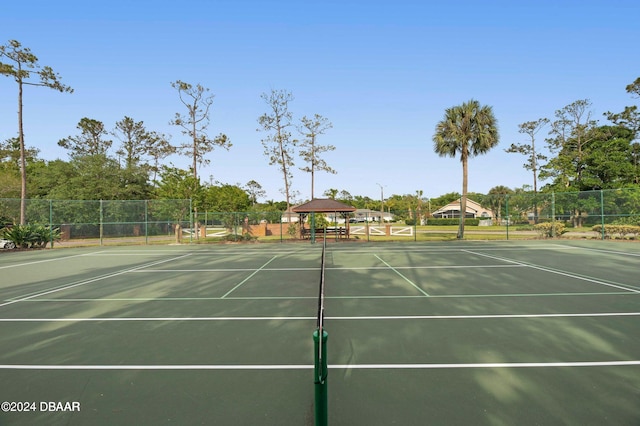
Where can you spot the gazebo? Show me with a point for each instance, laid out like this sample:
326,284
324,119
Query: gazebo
324,206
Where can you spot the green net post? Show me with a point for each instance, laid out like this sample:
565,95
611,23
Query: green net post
320,378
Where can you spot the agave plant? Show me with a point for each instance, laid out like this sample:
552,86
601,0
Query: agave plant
41,235
31,236
20,235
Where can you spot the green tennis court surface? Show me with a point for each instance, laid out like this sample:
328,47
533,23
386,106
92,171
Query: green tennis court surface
526,333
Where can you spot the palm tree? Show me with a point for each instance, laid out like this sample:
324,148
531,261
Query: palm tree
497,198
469,129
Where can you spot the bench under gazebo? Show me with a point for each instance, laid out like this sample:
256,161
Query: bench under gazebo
324,206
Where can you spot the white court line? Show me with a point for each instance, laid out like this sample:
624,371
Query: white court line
402,276
330,366
557,272
46,260
484,365
335,268
620,253
440,296
102,277
230,269
98,319
329,318
447,250
249,277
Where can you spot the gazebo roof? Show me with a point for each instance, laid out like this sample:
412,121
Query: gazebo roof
323,205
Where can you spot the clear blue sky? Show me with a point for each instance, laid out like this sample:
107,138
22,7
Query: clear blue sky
381,72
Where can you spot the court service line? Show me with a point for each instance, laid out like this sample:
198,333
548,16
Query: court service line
249,277
485,365
47,260
402,276
331,366
334,268
102,277
440,296
330,318
621,253
558,272
231,269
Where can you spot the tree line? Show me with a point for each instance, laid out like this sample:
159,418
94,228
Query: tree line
584,154
133,169
127,161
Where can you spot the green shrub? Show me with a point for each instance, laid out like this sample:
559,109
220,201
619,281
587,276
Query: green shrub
550,229
621,231
410,222
450,222
20,235
238,237
629,220
321,221
293,230
31,236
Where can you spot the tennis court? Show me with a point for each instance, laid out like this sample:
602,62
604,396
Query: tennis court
527,333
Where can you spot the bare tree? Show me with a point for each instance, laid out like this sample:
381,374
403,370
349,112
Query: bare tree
530,128
278,145
23,64
196,122
310,129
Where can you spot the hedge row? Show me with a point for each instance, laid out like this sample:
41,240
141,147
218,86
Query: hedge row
447,222
621,231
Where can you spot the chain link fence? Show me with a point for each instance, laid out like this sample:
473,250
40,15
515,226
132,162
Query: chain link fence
104,221
586,214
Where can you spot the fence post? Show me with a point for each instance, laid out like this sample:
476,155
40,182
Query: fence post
206,218
51,222
191,220
602,214
553,214
366,220
506,207
146,222
101,222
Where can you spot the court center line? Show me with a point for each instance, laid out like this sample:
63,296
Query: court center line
558,272
402,276
249,277
331,366
102,277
